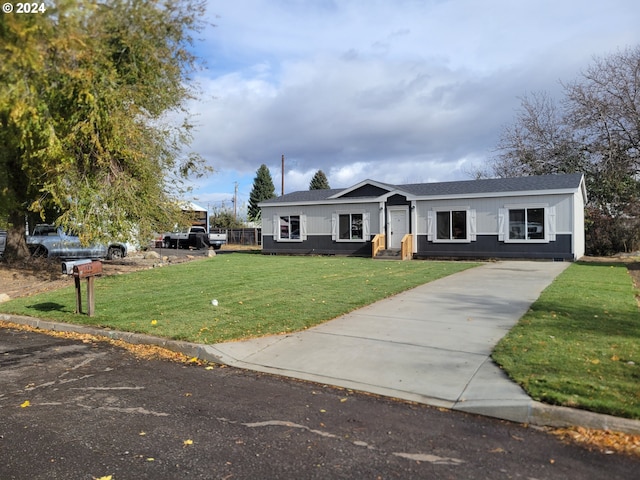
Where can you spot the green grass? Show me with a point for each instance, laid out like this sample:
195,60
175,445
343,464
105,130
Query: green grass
579,344
257,295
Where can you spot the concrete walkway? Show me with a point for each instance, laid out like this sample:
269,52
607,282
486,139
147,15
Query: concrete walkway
430,344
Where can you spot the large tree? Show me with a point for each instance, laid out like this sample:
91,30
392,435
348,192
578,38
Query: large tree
594,129
319,181
263,189
91,93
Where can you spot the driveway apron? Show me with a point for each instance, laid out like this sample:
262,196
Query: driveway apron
431,344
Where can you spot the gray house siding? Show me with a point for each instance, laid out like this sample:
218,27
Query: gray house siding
316,245
488,246
319,223
487,243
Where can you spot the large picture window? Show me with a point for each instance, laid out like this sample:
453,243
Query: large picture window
350,226
451,225
290,227
526,224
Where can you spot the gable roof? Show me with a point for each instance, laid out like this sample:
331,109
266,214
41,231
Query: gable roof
530,184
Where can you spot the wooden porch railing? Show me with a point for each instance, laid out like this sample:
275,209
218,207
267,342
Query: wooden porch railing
406,247
377,244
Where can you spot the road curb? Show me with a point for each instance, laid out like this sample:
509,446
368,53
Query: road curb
539,414
556,416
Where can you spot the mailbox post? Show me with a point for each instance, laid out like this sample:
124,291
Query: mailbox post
88,271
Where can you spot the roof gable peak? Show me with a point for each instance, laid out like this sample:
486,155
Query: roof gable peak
386,187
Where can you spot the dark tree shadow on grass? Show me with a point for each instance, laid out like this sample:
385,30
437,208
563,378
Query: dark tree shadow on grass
49,307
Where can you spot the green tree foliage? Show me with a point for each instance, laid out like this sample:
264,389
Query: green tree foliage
224,218
263,189
90,95
319,181
594,130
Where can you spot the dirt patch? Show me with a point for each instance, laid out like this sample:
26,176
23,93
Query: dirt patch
33,275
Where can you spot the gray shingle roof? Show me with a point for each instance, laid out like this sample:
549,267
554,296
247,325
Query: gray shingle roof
305,196
496,185
463,187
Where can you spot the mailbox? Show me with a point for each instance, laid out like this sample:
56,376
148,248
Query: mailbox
88,270
67,267
85,270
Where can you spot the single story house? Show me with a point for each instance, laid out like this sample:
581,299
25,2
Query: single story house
535,217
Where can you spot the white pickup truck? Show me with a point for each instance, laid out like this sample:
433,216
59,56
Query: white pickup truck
194,237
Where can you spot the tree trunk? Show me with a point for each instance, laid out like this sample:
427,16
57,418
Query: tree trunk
16,248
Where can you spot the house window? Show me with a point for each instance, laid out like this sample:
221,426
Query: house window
526,224
290,227
451,225
350,226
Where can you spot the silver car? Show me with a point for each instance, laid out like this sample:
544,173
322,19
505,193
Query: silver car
52,241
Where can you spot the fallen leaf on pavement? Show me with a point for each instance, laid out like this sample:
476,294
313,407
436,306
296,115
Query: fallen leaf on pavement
603,440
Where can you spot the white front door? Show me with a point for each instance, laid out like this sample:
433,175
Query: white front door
398,227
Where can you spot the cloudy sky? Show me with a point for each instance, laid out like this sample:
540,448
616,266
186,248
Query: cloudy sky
398,91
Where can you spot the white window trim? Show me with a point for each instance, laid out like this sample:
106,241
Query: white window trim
549,223
276,227
366,226
432,224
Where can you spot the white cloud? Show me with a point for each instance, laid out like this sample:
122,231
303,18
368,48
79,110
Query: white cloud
395,91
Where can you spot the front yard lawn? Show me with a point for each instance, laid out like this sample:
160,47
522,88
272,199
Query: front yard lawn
579,344
256,295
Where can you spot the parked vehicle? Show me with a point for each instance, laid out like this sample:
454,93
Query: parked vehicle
51,241
3,241
216,240
194,237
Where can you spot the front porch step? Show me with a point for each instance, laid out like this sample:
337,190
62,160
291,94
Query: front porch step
388,254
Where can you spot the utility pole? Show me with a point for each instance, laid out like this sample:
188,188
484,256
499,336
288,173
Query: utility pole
282,173
235,202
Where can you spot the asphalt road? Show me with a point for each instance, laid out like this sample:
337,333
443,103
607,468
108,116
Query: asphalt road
76,410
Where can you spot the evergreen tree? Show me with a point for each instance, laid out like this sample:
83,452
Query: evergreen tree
263,189
319,181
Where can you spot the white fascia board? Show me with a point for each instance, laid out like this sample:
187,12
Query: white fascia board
410,197
583,188
497,194
338,201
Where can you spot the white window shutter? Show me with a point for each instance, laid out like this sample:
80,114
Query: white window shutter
502,215
551,223
276,227
303,227
430,226
366,227
472,225
334,226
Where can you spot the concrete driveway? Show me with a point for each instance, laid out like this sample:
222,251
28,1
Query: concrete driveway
430,344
